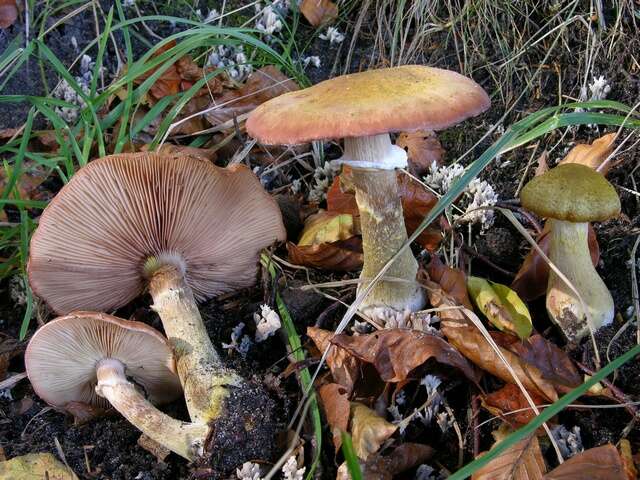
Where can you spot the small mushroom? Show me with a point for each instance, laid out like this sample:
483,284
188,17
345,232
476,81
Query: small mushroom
364,108
89,357
570,196
179,227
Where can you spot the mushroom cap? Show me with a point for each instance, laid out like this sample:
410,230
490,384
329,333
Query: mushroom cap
571,192
62,357
92,242
374,102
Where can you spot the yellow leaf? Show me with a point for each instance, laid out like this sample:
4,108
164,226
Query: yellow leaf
368,430
35,465
501,305
327,227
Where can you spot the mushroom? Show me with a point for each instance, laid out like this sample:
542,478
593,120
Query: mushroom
179,227
86,356
363,108
570,196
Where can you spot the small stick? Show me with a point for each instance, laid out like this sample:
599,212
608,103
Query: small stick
475,413
615,391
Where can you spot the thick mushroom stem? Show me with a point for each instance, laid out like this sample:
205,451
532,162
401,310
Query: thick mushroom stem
205,380
373,160
185,439
569,251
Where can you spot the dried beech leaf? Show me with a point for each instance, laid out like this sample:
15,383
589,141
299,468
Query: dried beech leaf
8,13
396,352
510,399
542,166
452,281
627,459
592,155
386,467
35,466
472,344
340,201
368,430
335,400
327,227
417,202
262,85
342,256
154,448
522,461
600,463
423,148
319,12
344,367
83,412
501,306
533,276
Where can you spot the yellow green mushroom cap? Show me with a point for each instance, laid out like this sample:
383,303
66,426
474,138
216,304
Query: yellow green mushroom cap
571,192
406,98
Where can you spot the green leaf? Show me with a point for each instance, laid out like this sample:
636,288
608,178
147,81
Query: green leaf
501,305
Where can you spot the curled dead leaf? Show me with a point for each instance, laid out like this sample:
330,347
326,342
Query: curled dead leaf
8,13
627,459
532,278
341,256
368,430
335,401
452,281
600,463
319,12
154,448
340,201
327,227
593,154
522,461
423,148
83,412
262,85
386,467
511,405
344,366
397,352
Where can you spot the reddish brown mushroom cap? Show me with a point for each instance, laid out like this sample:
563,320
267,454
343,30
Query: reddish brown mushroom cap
406,98
62,357
93,240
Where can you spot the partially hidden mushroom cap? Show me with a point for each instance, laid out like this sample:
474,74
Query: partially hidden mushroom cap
92,242
374,102
571,192
62,357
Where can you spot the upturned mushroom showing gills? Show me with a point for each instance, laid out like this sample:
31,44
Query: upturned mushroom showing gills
363,108
179,227
570,196
89,357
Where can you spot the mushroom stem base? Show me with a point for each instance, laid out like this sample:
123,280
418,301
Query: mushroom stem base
383,233
204,378
569,251
185,439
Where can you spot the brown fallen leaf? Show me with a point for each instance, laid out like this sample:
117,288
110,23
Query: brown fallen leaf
522,461
9,348
8,13
341,256
327,227
35,466
368,430
452,280
262,85
154,448
386,467
319,12
397,352
423,148
542,166
340,201
594,154
335,401
472,344
510,404
345,368
627,459
532,278
83,412
600,463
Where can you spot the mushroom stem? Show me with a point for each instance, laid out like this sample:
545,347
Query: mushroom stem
203,376
382,223
185,439
569,251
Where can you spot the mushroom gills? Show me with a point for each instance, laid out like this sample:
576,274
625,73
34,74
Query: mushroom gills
569,251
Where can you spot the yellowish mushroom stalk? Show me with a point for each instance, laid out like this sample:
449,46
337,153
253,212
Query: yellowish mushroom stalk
205,380
373,161
569,251
185,439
